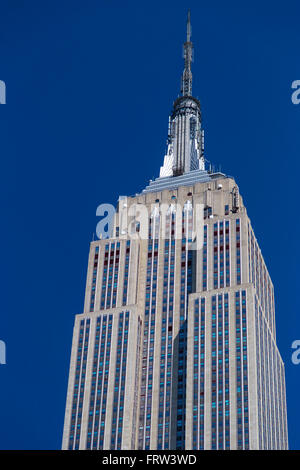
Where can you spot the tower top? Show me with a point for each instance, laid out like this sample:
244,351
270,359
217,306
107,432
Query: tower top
186,84
185,135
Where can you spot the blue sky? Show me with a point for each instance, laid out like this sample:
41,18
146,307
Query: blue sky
89,89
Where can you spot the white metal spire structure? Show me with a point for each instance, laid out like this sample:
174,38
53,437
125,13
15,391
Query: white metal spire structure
185,150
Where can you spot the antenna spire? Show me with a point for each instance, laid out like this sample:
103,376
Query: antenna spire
185,151
188,27
186,84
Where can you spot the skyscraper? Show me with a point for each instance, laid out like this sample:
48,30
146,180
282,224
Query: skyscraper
176,346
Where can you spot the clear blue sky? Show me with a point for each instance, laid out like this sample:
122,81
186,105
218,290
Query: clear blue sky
89,89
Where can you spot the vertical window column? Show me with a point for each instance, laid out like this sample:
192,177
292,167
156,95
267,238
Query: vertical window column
199,375
137,368
213,373
110,276
94,279
220,405
164,409
226,371
216,256
186,284
149,335
221,252
99,384
204,261
227,252
126,273
238,250
78,392
241,371
120,376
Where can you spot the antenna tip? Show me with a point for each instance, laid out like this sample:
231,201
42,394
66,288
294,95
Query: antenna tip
189,25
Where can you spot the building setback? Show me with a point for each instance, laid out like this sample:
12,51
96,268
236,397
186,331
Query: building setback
176,346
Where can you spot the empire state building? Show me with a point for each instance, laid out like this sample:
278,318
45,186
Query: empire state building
176,346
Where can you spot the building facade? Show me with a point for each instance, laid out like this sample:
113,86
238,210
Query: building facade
176,345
